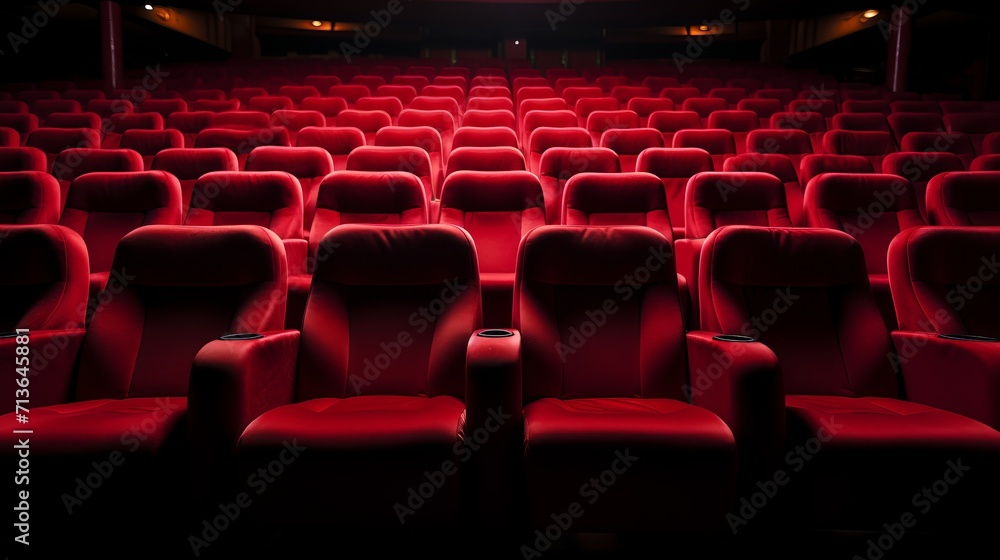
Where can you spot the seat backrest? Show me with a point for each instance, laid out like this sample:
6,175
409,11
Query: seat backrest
782,167
809,122
241,120
679,94
406,159
557,165
270,103
872,207
165,107
388,104
479,118
861,121
190,124
674,166
988,162
825,107
925,267
620,199
483,137
29,197
573,94
720,143
628,143
74,120
915,106
339,142
271,199
42,108
734,120
872,145
805,293
485,159
298,93
566,273
919,168
189,164
307,164
213,281
366,197
241,142
546,137
404,93
22,159
880,106
967,198
148,143
104,207
815,164
717,199
321,82
368,288
976,125
46,266
704,106
497,209
450,91
213,106
349,92
794,143
417,82
72,163
764,108
902,123
956,143
54,140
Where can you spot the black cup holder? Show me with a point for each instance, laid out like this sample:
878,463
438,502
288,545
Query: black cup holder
8,334
241,336
968,337
734,338
495,333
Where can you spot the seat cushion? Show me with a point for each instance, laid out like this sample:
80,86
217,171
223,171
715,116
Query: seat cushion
390,460
671,464
864,460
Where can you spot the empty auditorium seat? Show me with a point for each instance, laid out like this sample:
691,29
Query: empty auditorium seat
295,121
813,165
718,142
307,164
926,265
9,138
23,159
485,159
915,107
704,106
646,106
624,94
371,83
988,162
764,108
600,121
872,145
74,162
190,124
271,199
861,121
484,137
442,121
270,103
148,143
427,103
107,108
573,94
205,94
51,141
497,209
964,199
13,107
873,208
740,123
669,122
674,167
782,167
589,105
490,91
298,93
795,144
189,164
658,83
339,142
29,198
407,159
558,165
74,120
952,106
245,94
453,92
129,375
321,83
104,207
45,107
241,142
975,125
629,143
490,104
546,137
825,107
919,168
784,95
866,106
904,123
426,138
548,104
952,142
117,125
622,199
213,106
165,107
421,399
404,94
416,82
349,92
841,380
576,414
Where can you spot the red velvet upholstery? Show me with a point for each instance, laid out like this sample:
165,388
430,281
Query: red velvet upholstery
533,120
952,142
976,125
270,103
23,123
497,209
383,428
215,106
407,159
165,107
859,106
964,199
29,197
42,108
600,121
719,143
902,123
329,106
54,140
593,401
780,166
704,106
805,294
717,199
72,163
295,121
148,143
338,142
368,122
919,168
127,406
271,199
987,162
390,105
426,138
298,93
449,104
118,124
544,138
629,143
558,165
674,166
621,199
764,108
349,92
485,159
23,159
188,165
245,94
484,137
190,124
405,94
813,165
646,106
482,118
442,121
669,122
241,142
679,94
74,120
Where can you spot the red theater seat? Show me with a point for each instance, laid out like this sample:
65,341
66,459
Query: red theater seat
407,159
350,92
483,137
624,94
205,94
51,141
873,208
732,95
416,82
213,106
104,207
872,145
659,83
74,120
915,107
919,168
952,142
404,94
241,142
545,137
674,166
497,209
338,142
189,164
298,93
764,108
988,162
442,121
107,108
589,105
578,417
925,267
23,159
866,106
784,95
190,124
28,198
704,106
629,143
718,142
126,375
245,94
795,144
45,107
13,107
295,121
117,125
738,122
976,125
670,122
782,167
485,159
861,121
600,121
904,123
813,165
491,104
321,82
269,104
307,164
964,199
573,94
426,138
951,106
646,106
621,199
148,143
330,107
74,162
558,165
427,103
838,363
453,92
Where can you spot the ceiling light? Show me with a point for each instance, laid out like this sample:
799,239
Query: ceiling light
703,27
149,7
317,23
517,42
869,14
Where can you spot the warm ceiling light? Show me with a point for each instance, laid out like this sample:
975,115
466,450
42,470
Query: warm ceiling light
317,23
149,7
869,14
517,42
703,28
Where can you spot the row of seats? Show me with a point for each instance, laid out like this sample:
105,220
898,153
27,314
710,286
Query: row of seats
378,419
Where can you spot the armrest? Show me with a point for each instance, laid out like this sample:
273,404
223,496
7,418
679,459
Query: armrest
296,251
741,383
53,363
687,256
493,413
955,375
233,382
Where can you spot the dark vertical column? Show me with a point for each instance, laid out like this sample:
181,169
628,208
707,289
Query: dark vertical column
898,60
111,44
